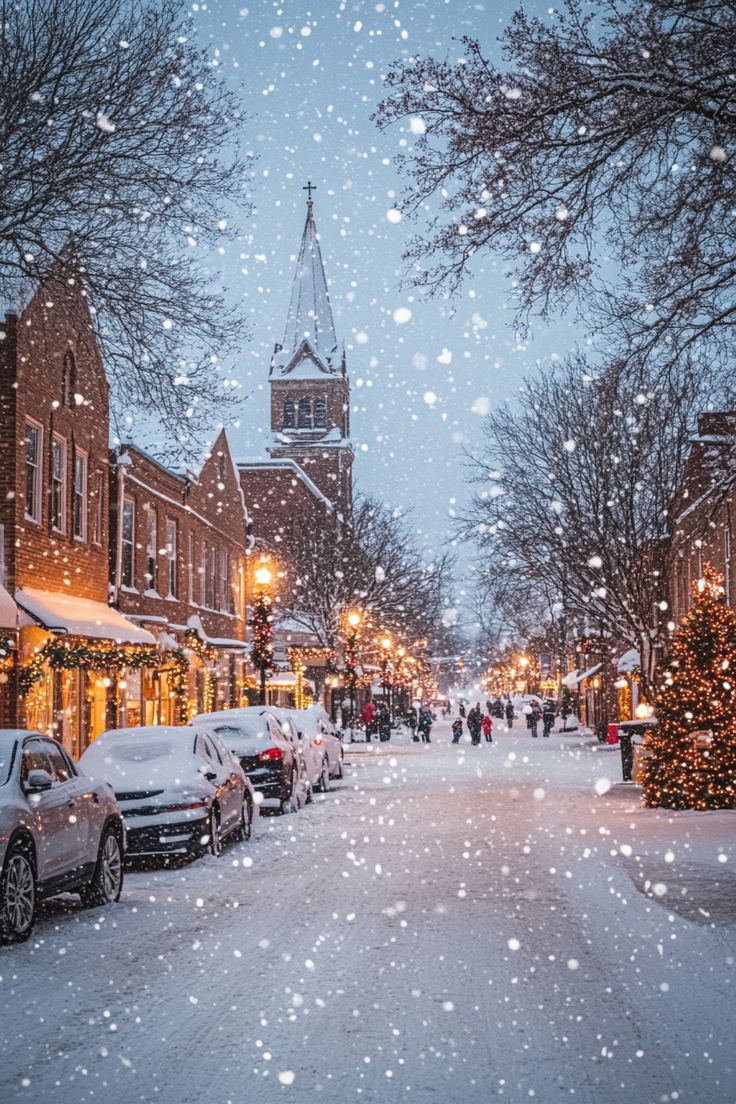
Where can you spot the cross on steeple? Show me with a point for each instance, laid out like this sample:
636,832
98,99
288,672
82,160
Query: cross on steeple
309,187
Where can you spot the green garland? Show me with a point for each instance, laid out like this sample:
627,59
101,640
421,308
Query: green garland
83,657
204,652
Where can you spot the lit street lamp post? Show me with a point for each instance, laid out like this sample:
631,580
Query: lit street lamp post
262,632
385,660
351,659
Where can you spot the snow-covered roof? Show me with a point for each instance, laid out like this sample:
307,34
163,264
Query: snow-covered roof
8,610
310,313
72,616
574,678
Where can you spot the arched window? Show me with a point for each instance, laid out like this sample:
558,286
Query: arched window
68,379
305,414
320,414
288,414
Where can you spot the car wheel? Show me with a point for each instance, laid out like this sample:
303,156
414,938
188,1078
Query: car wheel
290,804
107,880
340,771
324,778
17,896
246,822
214,844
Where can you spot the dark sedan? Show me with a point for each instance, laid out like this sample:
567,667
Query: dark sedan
265,754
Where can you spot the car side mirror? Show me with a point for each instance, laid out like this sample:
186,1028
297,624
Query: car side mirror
38,780
210,775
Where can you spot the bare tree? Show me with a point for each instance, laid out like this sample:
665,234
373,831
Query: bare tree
574,486
608,135
371,564
118,163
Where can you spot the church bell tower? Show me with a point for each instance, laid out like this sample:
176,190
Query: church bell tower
310,390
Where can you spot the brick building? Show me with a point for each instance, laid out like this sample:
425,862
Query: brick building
178,569
54,525
703,517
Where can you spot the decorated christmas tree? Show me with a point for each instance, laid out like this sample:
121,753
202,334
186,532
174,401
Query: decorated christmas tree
691,752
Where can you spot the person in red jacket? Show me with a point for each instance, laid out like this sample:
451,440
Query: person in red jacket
487,726
368,714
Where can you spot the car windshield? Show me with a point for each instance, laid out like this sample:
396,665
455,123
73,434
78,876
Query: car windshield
7,744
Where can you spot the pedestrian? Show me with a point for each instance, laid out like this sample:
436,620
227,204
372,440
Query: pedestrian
462,709
412,718
510,713
489,707
548,717
425,723
384,724
487,726
534,718
457,730
474,723
368,714
498,709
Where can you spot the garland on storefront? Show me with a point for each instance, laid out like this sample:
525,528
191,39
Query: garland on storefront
176,665
203,651
6,651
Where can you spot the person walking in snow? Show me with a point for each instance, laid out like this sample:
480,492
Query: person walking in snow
457,730
498,709
510,713
462,709
548,717
368,716
487,726
534,718
474,723
412,719
425,723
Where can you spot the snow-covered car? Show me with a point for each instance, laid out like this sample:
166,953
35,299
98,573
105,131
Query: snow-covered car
266,754
181,791
317,726
314,757
59,831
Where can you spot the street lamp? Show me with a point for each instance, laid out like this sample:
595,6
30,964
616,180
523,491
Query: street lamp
351,659
262,653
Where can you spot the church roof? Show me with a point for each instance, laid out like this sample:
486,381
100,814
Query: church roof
310,313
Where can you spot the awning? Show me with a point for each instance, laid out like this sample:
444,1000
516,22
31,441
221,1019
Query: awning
287,679
67,615
574,678
195,624
628,662
8,611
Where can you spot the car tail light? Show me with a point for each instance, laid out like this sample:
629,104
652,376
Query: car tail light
318,741
271,753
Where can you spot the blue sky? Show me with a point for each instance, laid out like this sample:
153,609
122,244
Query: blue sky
312,74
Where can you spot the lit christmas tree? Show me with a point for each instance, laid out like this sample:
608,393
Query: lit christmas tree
691,753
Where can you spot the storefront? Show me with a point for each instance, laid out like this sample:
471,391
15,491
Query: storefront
73,658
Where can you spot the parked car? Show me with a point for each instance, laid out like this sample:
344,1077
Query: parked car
316,724
59,831
267,754
181,791
314,757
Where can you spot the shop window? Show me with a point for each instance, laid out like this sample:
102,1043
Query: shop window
305,414
289,414
320,414
33,443
128,543
58,484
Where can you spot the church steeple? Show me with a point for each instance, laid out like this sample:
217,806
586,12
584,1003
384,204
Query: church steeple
310,313
310,391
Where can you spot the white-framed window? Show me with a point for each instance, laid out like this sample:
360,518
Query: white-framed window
58,484
190,568
203,575
305,414
151,550
320,414
224,579
34,469
171,573
80,495
127,561
98,507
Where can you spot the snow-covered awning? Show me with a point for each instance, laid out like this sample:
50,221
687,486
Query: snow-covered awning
628,662
574,678
8,611
68,615
195,623
287,679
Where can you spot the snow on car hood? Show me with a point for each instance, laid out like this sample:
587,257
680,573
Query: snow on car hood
144,764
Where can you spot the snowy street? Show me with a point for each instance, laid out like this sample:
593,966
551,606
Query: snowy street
449,924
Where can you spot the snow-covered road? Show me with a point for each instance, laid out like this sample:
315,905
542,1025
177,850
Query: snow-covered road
450,924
